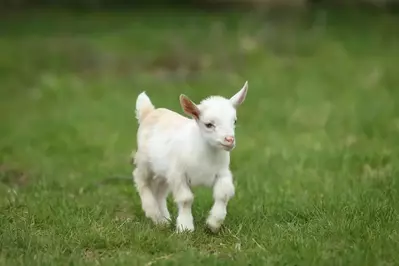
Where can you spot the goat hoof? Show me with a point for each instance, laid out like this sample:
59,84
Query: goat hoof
214,224
185,228
162,222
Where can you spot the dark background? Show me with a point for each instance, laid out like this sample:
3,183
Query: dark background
205,4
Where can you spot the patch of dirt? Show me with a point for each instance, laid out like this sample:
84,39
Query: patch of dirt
91,256
78,55
123,215
175,62
13,177
82,58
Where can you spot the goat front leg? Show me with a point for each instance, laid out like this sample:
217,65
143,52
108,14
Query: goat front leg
184,199
223,191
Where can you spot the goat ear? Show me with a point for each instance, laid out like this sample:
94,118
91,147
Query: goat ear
239,97
189,107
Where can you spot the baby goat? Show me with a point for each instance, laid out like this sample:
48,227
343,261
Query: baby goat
176,153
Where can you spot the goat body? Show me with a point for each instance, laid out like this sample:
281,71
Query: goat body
176,153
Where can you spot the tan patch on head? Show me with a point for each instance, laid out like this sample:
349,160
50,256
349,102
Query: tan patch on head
189,107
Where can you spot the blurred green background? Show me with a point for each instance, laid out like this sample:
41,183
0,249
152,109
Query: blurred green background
316,162
220,4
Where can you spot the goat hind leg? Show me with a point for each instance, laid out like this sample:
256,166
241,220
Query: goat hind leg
162,191
142,180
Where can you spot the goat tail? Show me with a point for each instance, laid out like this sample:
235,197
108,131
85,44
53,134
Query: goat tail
143,106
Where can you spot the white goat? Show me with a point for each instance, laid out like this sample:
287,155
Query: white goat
176,153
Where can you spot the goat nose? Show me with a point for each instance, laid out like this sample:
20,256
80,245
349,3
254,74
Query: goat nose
229,139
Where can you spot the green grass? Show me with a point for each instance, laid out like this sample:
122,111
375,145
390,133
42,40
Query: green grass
317,161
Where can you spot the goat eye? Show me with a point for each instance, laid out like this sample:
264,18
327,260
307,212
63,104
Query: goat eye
209,125
235,122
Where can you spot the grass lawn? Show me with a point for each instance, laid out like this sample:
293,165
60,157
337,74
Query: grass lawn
317,159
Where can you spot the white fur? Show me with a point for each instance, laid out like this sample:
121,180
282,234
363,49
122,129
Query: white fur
176,153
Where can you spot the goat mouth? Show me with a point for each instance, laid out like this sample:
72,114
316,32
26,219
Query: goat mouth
227,147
